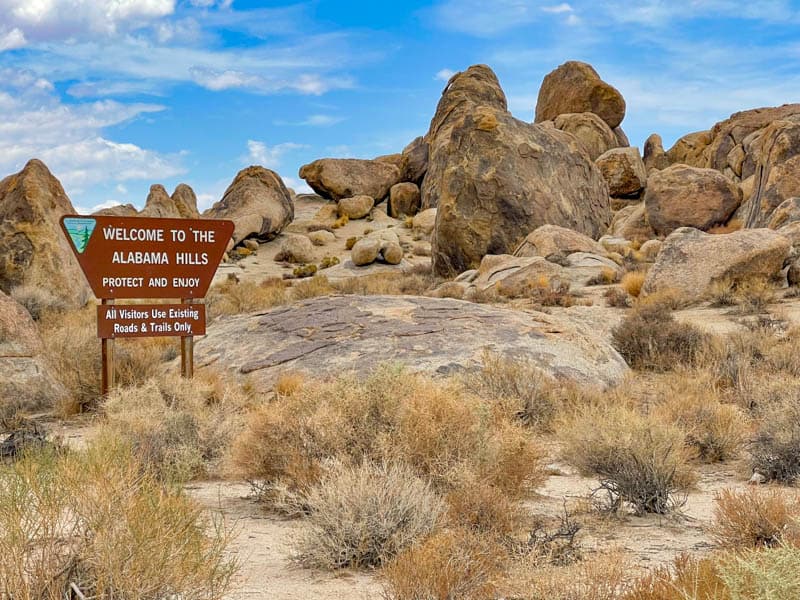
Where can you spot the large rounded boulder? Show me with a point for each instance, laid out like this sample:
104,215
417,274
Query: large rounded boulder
690,261
337,178
33,249
575,87
494,178
594,135
257,202
624,172
683,196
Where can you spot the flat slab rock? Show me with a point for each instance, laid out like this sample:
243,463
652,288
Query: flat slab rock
336,334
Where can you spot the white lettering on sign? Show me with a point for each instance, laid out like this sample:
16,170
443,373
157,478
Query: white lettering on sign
118,282
133,235
125,328
185,282
191,258
140,258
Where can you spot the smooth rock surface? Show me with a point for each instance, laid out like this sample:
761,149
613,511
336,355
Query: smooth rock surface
592,132
338,178
548,240
336,334
624,172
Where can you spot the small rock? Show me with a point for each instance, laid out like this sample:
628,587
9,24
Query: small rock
328,213
404,199
251,245
650,249
391,253
467,276
296,249
385,235
424,222
321,237
356,207
757,479
365,251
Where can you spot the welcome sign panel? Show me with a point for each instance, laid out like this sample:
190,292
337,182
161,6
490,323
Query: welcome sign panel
141,257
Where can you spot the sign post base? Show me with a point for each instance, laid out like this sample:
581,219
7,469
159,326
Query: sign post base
187,351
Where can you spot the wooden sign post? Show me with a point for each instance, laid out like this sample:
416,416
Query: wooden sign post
144,258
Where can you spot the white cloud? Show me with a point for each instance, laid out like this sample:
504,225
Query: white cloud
268,156
481,18
121,189
9,40
46,20
558,8
318,120
70,138
298,185
444,74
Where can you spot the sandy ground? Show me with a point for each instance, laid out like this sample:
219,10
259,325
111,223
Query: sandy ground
264,543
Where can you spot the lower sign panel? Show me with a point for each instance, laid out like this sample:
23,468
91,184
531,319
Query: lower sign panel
150,320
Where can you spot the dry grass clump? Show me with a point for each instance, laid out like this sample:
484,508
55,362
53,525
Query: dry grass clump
751,295
451,564
73,350
606,276
415,281
179,428
598,577
39,301
99,520
313,287
632,282
756,518
544,291
363,516
523,391
650,338
715,431
617,298
689,578
233,297
444,434
639,459
729,227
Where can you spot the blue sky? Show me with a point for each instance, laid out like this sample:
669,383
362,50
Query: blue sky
115,95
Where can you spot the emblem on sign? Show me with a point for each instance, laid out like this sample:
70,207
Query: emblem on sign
79,231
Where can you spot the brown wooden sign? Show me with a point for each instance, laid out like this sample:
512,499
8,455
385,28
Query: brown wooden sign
150,320
141,257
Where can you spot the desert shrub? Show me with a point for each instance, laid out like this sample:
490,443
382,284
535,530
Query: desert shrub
484,508
632,282
767,574
776,448
606,276
750,295
523,391
38,300
179,428
451,564
233,297
689,578
617,298
98,519
597,577
637,458
443,433
363,516
754,518
714,430
650,338
73,350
